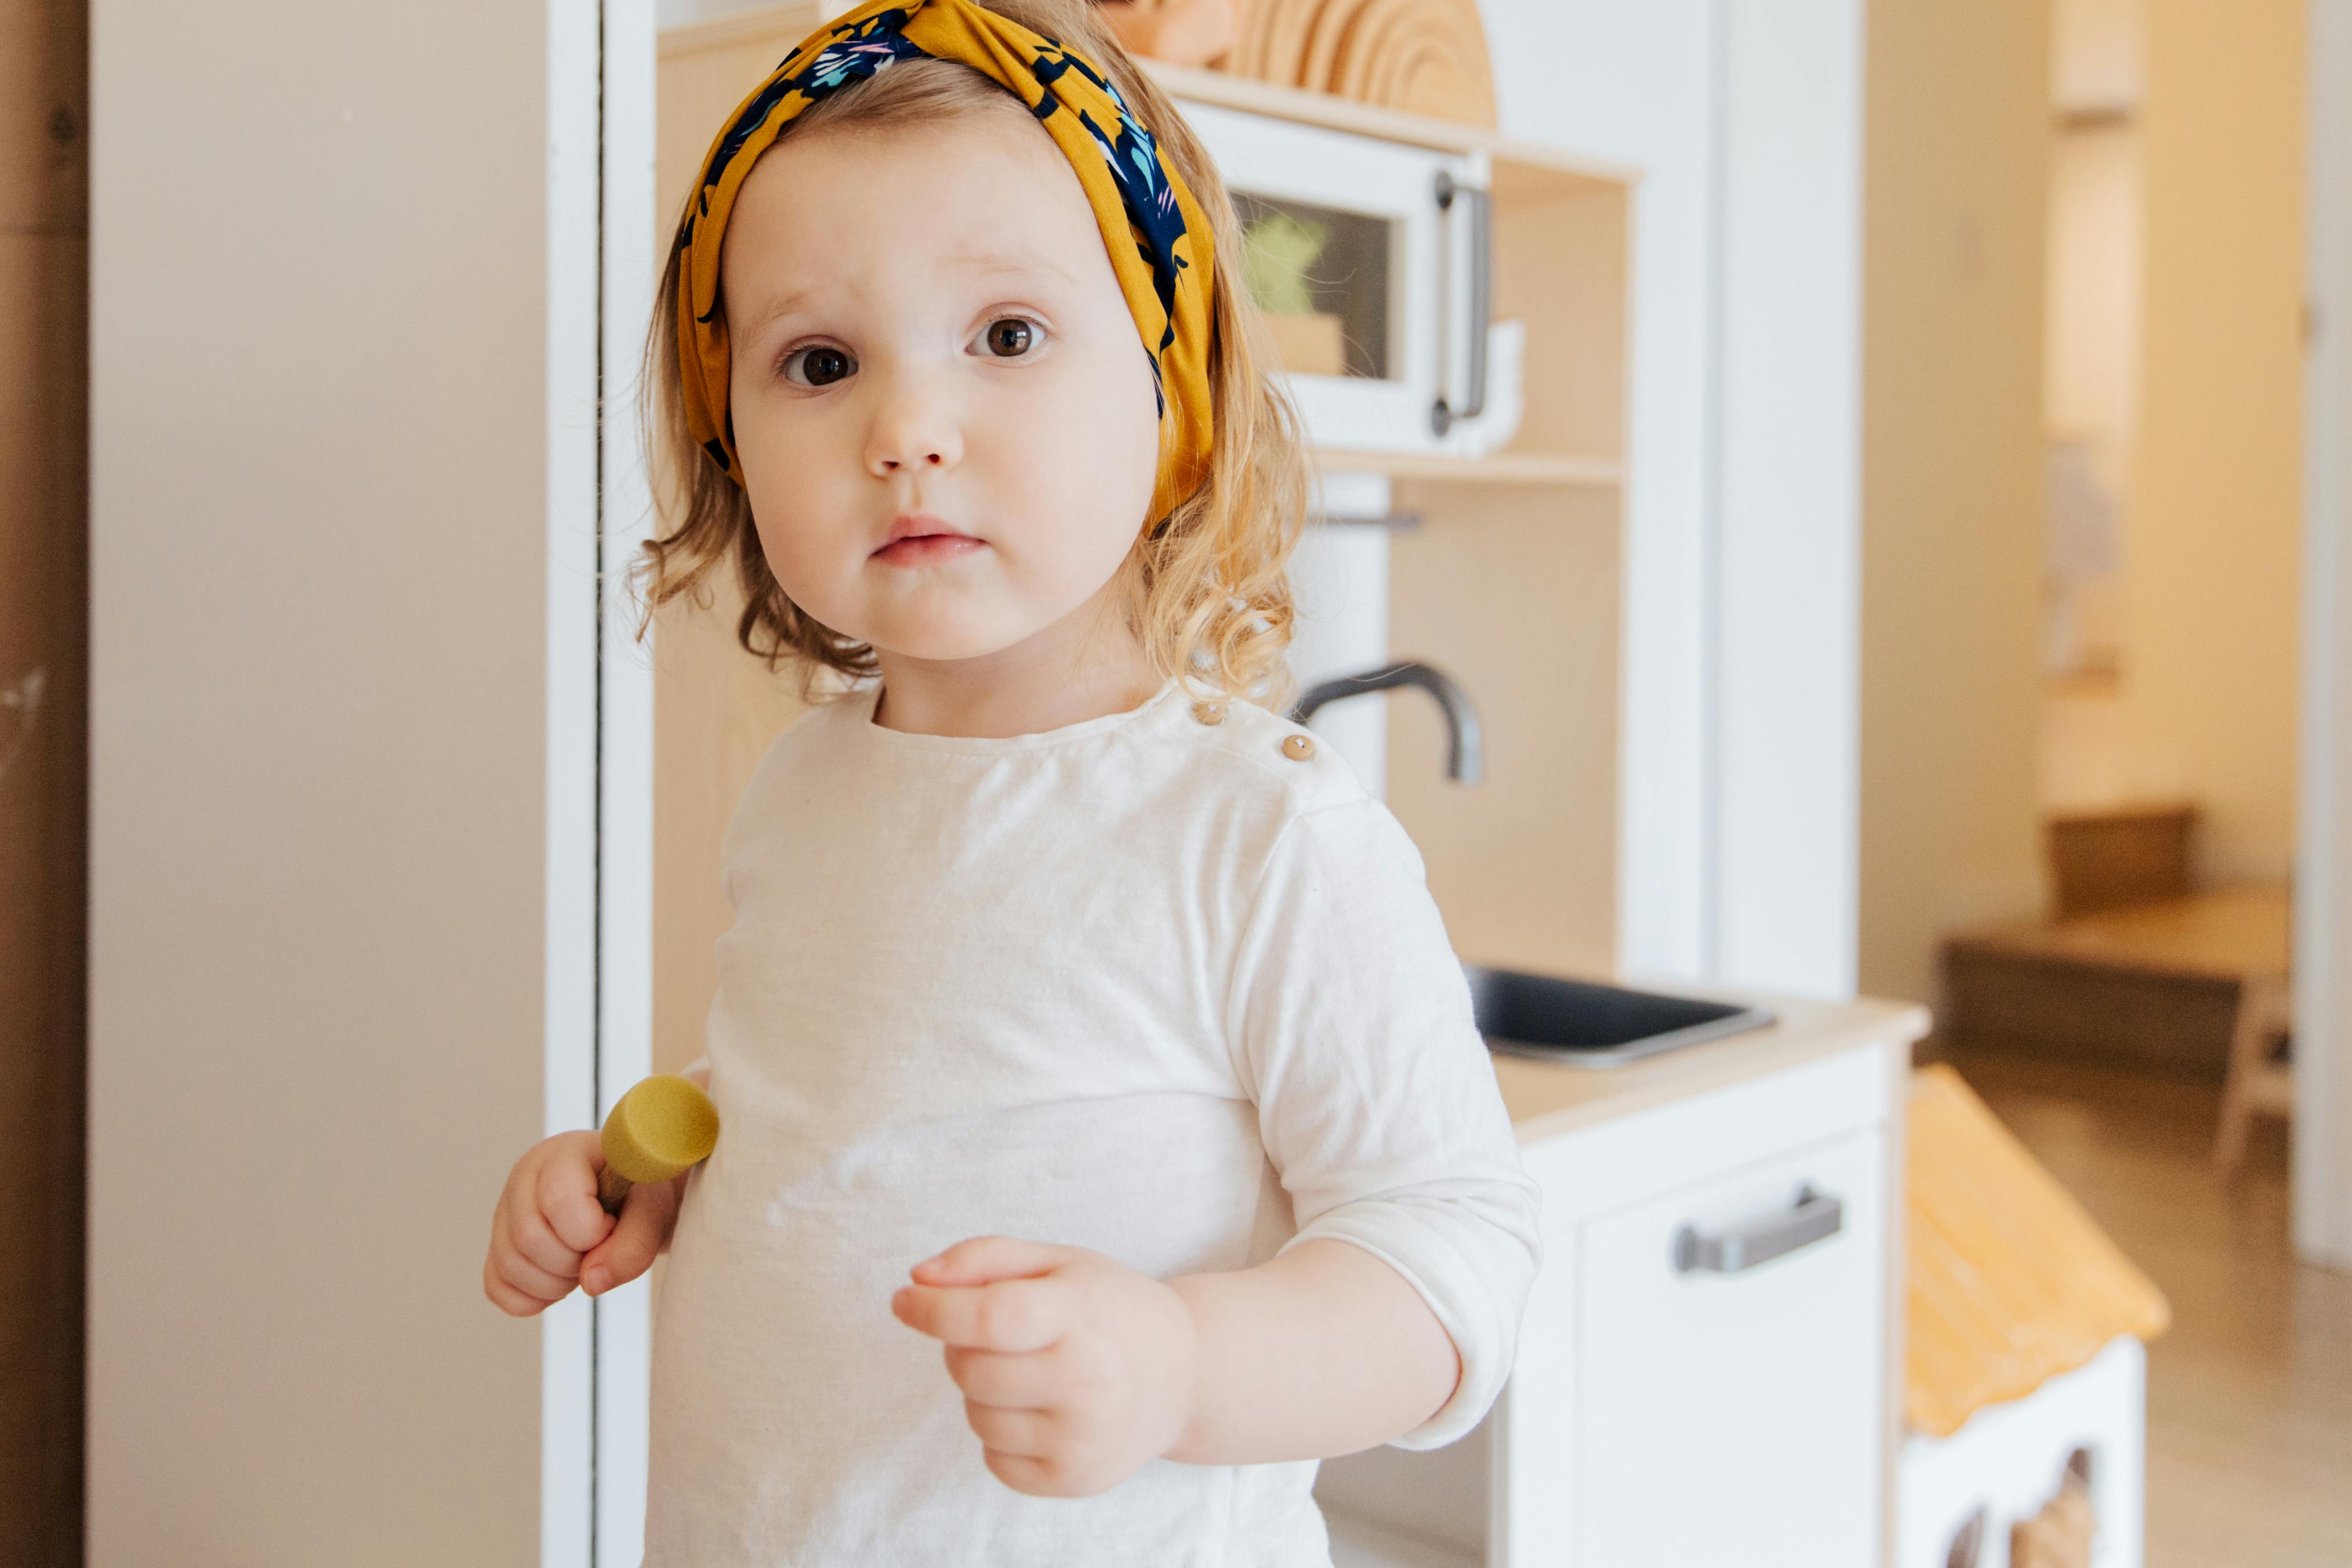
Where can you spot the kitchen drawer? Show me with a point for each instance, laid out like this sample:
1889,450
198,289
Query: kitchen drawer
1640,1156
1733,1416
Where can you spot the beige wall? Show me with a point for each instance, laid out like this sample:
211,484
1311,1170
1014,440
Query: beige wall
318,539
2097,54
2210,558
2091,359
1956,145
2189,350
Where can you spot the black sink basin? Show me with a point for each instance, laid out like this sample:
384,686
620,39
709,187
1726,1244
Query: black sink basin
1577,1023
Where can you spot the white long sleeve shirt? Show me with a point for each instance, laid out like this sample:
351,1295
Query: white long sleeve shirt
1140,985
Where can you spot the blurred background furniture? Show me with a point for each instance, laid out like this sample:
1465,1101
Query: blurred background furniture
2158,984
2127,854
1182,32
1425,56
2261,1068
2138,966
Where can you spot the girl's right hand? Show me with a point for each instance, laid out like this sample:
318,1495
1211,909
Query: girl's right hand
550,1233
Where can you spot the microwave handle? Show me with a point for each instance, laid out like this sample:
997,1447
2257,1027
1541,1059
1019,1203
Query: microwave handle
1477,210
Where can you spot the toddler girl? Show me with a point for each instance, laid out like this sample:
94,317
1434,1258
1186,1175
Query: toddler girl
1105,1137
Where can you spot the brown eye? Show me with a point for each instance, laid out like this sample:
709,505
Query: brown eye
1009,337
824,366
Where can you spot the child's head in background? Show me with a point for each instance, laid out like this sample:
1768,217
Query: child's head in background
921,317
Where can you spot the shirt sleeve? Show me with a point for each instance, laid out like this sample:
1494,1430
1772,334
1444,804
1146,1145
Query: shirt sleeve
1377,1103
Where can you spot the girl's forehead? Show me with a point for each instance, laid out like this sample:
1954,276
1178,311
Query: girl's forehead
976,194
975,161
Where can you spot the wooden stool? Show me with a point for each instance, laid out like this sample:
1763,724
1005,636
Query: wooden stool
2257,1081
2163,984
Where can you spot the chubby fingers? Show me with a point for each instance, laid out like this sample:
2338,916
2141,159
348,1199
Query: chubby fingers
563,1191
1011,1379
1030,1433
983,1260
635,1241
519,1287
527,1234
991,1293
1014,1315
522,1274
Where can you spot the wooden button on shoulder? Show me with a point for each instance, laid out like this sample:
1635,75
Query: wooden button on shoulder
1297,748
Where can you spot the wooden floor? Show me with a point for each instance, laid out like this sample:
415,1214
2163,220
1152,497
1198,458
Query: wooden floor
2249,1396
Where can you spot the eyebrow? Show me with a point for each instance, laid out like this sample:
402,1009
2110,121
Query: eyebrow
984,263
990,263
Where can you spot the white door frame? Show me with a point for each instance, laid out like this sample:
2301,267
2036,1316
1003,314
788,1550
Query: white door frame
601,249
2323,887
624,840
568,1329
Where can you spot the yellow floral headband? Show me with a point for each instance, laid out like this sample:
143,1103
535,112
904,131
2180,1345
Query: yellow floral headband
1157,237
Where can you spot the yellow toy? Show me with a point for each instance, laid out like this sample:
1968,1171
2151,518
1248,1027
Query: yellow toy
662,1126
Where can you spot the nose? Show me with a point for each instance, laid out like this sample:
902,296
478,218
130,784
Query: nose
914,427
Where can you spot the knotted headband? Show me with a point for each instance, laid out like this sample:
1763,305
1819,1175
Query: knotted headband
1157,239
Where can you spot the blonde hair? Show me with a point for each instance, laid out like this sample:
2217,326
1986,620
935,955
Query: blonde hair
1207,594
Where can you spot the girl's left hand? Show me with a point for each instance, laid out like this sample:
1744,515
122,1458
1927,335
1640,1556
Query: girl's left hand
1075,1369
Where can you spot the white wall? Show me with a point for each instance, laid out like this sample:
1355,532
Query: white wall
319,521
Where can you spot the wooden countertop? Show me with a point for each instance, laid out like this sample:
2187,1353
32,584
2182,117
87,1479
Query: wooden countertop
1546,1100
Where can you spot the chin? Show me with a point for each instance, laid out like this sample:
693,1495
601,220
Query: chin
931,640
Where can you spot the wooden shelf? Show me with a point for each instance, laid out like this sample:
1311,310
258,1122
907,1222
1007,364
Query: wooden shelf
1337,113
1498,468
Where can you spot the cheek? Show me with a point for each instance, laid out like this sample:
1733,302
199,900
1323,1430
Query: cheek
789,512
1091,458
803,491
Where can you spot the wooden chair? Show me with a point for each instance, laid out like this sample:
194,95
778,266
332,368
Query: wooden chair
2262,1074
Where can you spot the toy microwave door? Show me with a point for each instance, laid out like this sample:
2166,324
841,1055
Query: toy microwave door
1371,262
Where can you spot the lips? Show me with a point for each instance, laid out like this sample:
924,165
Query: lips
918,537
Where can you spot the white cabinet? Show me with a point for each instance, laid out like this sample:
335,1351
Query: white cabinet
1732,1418
1703,1370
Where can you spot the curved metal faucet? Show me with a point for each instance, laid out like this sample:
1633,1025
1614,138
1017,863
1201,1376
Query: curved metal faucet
1465,758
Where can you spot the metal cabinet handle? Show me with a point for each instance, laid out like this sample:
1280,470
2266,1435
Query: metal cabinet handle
1479,209
1746,1244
